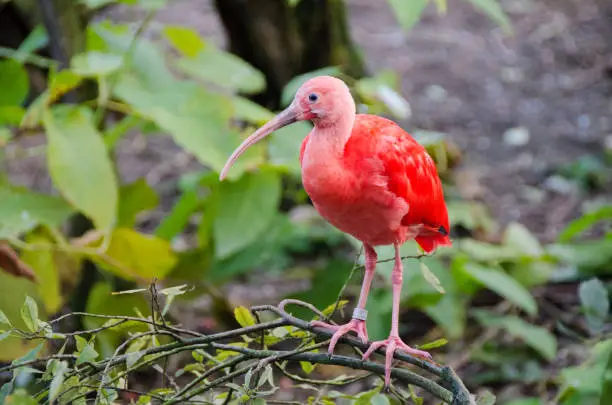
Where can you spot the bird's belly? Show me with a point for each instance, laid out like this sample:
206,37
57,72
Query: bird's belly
366,219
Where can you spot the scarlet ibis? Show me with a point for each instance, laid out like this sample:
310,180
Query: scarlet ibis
369,178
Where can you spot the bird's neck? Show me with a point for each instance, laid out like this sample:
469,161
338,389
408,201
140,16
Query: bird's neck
330,138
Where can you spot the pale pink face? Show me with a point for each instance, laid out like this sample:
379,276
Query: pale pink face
323,100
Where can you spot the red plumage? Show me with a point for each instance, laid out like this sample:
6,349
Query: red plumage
388,164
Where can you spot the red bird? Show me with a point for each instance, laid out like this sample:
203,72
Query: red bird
369,178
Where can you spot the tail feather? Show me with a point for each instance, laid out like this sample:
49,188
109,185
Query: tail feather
430,243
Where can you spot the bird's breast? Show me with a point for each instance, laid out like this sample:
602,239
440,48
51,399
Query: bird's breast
354,205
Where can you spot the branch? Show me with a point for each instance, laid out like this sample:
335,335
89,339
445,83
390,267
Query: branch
105,374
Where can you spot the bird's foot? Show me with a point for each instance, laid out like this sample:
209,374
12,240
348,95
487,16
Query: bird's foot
393,343
356,325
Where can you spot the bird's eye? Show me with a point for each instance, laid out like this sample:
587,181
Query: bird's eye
312,97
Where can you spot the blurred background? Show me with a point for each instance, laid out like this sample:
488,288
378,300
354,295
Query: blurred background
116,116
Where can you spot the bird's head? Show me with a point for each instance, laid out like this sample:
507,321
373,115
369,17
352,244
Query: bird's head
324,100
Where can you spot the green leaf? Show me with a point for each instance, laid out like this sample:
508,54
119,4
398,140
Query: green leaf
245,109
36,40
179,216
185,40
538,338
606,384
94,63
586,221
307,366
486,252
408,12
331,307
524,401
29,314
62,82
14,292
450,314
5,136
494,10
245,209
135,198
379,399
327,282
595,303
13,82
21,397
93,4
11,115
434,345
224,69
86,351
431,278
22,210
503,285
134,255
4,319
57,381
44,264
197,120
518,236
244,316
79,164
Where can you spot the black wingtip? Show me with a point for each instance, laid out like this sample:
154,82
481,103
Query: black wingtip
443,230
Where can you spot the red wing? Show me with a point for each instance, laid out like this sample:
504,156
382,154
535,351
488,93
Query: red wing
409,171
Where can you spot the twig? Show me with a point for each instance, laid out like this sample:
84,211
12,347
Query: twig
449,388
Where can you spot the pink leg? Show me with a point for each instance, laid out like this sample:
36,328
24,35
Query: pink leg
356,325
393,342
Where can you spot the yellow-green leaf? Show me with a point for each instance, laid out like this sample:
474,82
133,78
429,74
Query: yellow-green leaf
79,164
307,366
244,316
29,314
134,255
43,263
433,345
185,40
14,291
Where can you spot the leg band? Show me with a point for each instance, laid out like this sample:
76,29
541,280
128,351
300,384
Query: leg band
360,313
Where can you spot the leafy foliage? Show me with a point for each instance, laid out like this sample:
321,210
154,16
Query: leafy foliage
257,222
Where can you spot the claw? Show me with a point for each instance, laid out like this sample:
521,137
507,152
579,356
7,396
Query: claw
393,343
355,325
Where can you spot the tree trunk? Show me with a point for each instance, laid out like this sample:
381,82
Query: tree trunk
284,41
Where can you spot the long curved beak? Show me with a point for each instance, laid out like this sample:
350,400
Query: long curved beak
284,118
